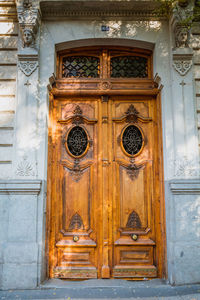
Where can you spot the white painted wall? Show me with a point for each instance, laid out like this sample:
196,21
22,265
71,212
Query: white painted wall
180,145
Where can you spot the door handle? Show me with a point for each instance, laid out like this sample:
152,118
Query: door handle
134,237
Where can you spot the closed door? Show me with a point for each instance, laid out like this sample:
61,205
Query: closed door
104,188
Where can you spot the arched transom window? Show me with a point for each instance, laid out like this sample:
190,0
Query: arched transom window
105,63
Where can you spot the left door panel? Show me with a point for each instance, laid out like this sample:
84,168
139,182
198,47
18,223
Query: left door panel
74,189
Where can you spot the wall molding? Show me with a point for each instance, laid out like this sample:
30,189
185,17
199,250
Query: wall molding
32,187
50,10
104,42
185,186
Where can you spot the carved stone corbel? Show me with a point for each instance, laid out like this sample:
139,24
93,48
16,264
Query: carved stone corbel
180,23
27,63
182,60
29,21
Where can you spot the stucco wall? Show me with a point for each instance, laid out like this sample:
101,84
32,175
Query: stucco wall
179,130
23,199
8,74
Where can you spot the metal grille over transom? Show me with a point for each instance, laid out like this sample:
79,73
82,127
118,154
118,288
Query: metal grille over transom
81,66
132,140
77,141
129,66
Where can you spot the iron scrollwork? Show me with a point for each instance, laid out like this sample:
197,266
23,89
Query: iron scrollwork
81,66
129,66
77,141
132,140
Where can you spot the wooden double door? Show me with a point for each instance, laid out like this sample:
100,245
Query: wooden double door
105,188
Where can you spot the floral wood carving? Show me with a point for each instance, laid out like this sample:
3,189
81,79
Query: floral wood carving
182,66
25,168
78,116
76,172
78,110
131,114
133,220
28,67
132,170
76,222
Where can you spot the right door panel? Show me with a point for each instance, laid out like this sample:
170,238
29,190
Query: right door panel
134,166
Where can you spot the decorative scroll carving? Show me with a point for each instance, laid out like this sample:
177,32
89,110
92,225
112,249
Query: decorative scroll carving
182,66
52,81
131,114
77,118
76,172
25,168
133,220
78,110
133,170
76,222
28,67
157,82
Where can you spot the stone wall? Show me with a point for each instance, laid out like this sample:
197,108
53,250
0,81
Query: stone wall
8,71
183,215
21,213
24,127
195,44
20,209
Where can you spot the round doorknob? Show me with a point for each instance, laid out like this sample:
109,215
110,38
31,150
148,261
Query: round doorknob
75,238
134,237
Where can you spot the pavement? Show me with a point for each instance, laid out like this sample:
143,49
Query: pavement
105,289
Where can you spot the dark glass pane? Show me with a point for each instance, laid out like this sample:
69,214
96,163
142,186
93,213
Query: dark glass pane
77,141
129,66
132,140
80,66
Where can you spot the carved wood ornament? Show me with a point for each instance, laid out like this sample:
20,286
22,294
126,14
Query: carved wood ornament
100,200
76,222
132,116
77,118
134,138
133,170
76,172
133,220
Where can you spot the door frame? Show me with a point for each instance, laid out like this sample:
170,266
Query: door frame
151,87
